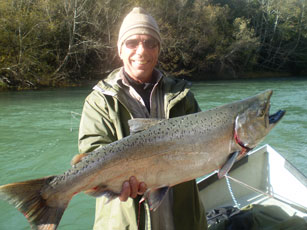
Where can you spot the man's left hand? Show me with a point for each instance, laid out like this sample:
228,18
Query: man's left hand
132,188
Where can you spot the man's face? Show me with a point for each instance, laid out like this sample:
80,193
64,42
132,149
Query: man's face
139,54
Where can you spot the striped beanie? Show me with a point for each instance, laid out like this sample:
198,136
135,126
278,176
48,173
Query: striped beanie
138,22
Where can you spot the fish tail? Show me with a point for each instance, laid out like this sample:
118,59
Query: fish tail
27,197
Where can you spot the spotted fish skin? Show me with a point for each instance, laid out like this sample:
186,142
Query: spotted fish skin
167,153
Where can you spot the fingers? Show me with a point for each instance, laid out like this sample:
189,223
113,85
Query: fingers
125,193
132,188
142,188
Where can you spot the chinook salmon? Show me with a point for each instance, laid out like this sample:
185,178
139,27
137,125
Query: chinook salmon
162,155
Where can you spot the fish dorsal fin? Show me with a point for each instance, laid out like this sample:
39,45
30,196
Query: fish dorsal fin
77,158
140,124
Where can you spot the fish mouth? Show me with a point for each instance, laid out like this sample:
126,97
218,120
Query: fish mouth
274,118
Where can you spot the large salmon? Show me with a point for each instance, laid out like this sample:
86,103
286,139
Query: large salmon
167,153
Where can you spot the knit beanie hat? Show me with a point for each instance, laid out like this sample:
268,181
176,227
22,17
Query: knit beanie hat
138,22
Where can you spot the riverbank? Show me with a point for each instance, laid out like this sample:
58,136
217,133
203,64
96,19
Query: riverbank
229,75
21,86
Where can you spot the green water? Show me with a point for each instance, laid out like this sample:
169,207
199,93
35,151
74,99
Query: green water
38,135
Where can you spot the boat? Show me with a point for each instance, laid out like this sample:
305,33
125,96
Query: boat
262,177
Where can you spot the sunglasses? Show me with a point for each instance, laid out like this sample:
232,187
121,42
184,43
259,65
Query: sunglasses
147,43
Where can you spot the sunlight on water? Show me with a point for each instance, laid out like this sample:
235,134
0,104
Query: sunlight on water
39,129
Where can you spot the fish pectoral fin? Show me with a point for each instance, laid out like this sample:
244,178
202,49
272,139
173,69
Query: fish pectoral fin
77,158
228,165
99,190
155,197
140,124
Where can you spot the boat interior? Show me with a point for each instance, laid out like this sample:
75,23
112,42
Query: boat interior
262,177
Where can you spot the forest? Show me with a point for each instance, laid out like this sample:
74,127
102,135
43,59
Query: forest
53,43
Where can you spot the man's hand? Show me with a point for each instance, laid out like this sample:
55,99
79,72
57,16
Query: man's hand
132,188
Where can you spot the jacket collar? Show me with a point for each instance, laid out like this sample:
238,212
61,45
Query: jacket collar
176,89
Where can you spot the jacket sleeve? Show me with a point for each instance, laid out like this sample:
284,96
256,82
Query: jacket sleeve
191,104
96,127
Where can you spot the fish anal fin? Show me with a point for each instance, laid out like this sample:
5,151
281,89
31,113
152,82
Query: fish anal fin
155,197
228,165
77,158
140,124
28,198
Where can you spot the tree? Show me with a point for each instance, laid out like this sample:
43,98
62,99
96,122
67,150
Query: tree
23,45
46,43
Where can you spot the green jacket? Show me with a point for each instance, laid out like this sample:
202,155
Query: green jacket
104,119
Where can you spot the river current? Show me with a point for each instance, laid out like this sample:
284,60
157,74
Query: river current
39,129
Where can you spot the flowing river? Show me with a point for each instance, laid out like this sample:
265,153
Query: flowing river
39,129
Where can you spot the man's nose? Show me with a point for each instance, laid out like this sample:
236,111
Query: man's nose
140,48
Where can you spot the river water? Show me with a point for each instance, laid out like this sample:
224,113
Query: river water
38,135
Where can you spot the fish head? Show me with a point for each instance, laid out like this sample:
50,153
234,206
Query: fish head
255,122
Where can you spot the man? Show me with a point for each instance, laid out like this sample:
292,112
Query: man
139,90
